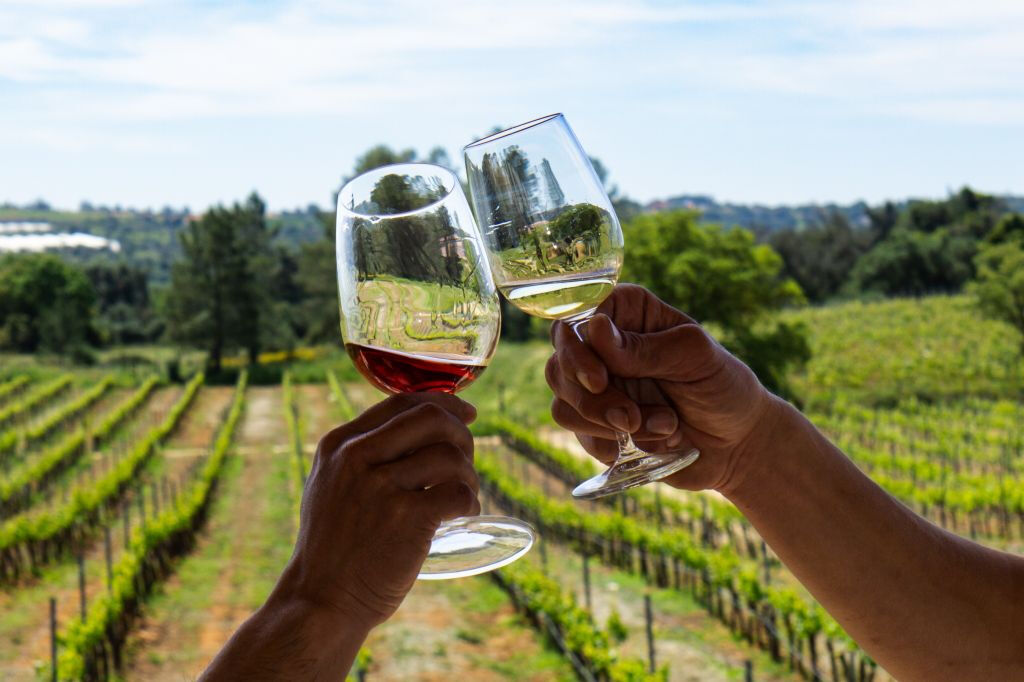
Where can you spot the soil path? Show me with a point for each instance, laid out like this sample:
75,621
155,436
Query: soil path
242,550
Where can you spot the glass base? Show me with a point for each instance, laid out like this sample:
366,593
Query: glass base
476,544
632,470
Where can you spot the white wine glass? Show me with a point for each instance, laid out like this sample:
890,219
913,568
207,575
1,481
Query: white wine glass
419,312
556,247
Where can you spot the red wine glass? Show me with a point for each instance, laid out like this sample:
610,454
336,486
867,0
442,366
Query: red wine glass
419,312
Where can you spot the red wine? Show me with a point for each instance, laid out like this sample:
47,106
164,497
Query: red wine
396,372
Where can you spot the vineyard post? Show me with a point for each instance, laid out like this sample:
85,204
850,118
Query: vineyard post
649,617
81,583
53,638
126,517
586,578
142,508
767,566
107,556
154,495
748,671
657,505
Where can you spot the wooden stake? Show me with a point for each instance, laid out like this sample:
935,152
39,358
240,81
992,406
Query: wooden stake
81,584
53,638
649,617
586,580
748,671
108,555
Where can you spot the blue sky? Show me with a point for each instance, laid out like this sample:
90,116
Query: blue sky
193,102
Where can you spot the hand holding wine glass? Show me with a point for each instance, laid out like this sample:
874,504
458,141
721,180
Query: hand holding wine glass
556,246
657,363
419,313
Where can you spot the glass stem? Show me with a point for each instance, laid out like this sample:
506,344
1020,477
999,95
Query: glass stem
628,450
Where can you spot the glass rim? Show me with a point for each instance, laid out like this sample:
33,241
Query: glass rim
451,185
513,130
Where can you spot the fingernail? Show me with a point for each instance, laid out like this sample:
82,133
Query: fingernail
662,423
617,337
582,378
618,418
675,440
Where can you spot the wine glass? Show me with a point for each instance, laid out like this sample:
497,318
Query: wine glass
419,312
555,246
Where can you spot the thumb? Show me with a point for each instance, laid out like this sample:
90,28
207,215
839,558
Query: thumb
684,352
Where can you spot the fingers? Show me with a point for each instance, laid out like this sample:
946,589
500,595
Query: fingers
655,422
683,353
424,425
445,501
575,357
610,407
383,411
604,450
431,466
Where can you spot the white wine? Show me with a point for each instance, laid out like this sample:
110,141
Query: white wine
561,298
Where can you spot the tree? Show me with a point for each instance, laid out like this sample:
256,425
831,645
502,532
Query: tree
45,304
722,277
219,297
821,257
125,313
999,287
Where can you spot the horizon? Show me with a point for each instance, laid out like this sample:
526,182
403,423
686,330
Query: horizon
774,103
192,210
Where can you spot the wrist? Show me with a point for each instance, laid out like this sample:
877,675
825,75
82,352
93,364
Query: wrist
328,622
771,439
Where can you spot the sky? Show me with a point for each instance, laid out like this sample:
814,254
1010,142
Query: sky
194,102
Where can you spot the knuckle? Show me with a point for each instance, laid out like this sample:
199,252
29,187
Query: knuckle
431,411
402,401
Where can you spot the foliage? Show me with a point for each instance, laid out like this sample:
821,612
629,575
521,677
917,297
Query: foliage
133,573
541,597
36,397
722,277
935,348
39,471
45,305
86,501
125,311
999,288
220,297
820,257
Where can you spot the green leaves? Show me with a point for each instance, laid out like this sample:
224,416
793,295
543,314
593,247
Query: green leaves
83,637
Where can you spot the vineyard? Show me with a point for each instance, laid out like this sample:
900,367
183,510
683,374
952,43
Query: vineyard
141,521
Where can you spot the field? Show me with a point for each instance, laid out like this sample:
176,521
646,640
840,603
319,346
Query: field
156,516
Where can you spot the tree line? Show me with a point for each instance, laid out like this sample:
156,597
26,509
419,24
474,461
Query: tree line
236,285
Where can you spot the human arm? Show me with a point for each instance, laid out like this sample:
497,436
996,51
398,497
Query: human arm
378,489
923,602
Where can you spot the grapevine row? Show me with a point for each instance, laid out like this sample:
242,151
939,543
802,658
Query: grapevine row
38,473
60,416
13,386
34,398
618,539
32,540
547,605
92,644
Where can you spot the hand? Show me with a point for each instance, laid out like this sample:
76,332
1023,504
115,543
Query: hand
379,488
650,370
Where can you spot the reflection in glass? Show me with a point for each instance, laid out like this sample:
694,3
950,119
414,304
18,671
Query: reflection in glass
419,312
555,246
